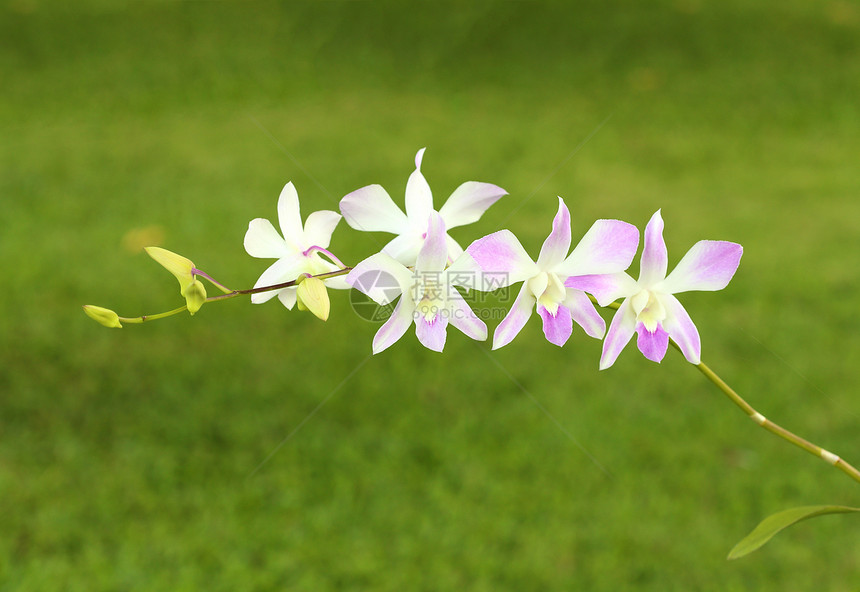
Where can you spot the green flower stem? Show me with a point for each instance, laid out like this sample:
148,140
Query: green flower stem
773,428
153,317
761,420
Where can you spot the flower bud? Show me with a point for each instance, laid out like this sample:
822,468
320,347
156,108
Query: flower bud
103,316
183,270
312,295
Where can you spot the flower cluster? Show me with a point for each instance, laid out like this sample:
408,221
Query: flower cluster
426,272
422,267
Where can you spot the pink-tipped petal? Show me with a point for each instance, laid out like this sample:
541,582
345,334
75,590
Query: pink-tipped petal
681,329
516,318
319,227
289,216
558,327
708,266
557,244
432,334
605,288
464,318
652,344
608,247
282,270
501,255
652,268
371,209
584,314
469,202
395,326
620,331
419,198
381,277
433,255
264,242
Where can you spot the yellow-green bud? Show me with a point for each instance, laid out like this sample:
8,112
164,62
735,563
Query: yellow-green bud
312,295
190,287
103,316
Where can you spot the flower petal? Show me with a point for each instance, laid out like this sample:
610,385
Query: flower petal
432,334
405,247
516,318
708,265
469,202
621,329
556,328
381,277
557,244
282,270
288,297
584,314
371,209
503,257
464,318
652,268
433,255
454,248
608,247
652,344
419,198
319,227
681,329
264,242
289,216
395,326
605,288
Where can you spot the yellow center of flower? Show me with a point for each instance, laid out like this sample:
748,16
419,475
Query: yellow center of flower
547,290
649,310
432,300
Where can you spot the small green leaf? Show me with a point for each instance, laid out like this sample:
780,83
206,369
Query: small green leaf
776,522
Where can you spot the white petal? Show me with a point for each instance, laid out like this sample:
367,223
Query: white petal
608,247
381,277
469,202
464,318
394,327
681,329
557,244
516,318
289,216
288,296
654,261
371,209
433,255
264,242
319,227
708,266
501,255
419,199
405,248
282,270
584,314
454,248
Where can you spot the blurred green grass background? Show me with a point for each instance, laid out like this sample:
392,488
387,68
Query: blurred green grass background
127,458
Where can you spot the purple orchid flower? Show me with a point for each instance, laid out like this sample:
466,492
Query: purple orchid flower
607,248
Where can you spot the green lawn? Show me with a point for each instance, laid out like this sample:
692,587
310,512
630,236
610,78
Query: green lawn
142,459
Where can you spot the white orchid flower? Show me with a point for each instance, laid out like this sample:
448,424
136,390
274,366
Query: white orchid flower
372,209
427,295
297,251
608,247
649,308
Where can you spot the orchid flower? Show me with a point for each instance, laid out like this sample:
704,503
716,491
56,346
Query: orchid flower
649,308
427,295
608,247
372,209
297,252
